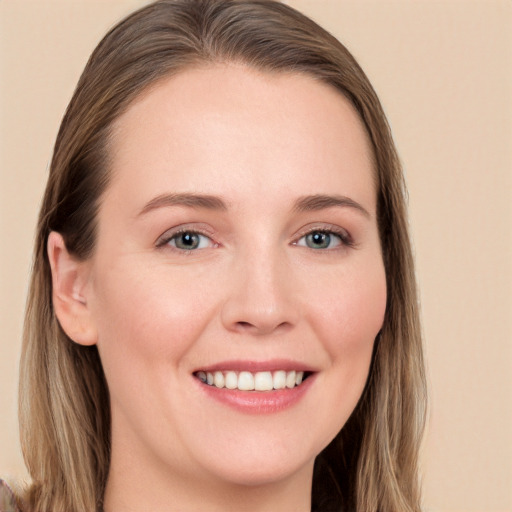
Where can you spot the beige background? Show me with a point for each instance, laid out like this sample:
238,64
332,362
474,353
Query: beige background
443,70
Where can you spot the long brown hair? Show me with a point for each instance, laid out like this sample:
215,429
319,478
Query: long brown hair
372,465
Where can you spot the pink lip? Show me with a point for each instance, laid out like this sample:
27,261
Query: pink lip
258,402
257,366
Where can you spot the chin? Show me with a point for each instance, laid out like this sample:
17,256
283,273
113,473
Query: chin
249,475
258,461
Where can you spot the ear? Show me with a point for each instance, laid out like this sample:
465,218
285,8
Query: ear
70,288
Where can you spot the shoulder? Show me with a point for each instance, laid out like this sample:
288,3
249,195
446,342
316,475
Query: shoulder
7,499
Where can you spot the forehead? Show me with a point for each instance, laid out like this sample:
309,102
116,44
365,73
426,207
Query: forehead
228,127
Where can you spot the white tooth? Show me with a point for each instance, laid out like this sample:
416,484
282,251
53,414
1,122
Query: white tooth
279,379
209,378
245,381
218,379
299,377
231,380
263,381
201,376
290,379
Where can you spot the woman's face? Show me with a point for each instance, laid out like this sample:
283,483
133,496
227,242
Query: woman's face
237,242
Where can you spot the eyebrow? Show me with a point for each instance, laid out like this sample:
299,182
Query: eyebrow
303,204
322,202
189,200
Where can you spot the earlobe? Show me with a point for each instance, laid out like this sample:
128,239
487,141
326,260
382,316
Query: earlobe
70,292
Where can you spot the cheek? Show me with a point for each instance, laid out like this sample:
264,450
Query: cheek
148,316
350,314
346,319
148,322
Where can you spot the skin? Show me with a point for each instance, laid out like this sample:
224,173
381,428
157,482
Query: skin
254,290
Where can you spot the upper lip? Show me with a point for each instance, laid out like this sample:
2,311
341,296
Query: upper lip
257,366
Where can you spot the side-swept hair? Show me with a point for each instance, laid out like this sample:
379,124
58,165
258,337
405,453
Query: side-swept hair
372,464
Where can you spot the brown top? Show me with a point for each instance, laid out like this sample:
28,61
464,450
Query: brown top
7,499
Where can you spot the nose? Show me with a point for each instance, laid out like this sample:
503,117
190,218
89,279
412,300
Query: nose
261,299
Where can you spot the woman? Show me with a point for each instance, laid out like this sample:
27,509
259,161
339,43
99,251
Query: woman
222,312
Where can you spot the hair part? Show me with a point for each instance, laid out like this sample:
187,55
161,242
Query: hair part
64,404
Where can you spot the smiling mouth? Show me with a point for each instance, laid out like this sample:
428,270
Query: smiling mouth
248,381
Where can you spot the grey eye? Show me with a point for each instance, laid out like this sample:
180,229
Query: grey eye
189,240
320,240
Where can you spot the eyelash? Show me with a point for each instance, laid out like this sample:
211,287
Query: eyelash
345,240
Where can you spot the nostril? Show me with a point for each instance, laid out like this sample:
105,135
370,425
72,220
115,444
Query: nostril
261,328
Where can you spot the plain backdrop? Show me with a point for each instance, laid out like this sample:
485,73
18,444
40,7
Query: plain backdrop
443,71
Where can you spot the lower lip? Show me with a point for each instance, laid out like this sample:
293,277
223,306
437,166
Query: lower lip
258,402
